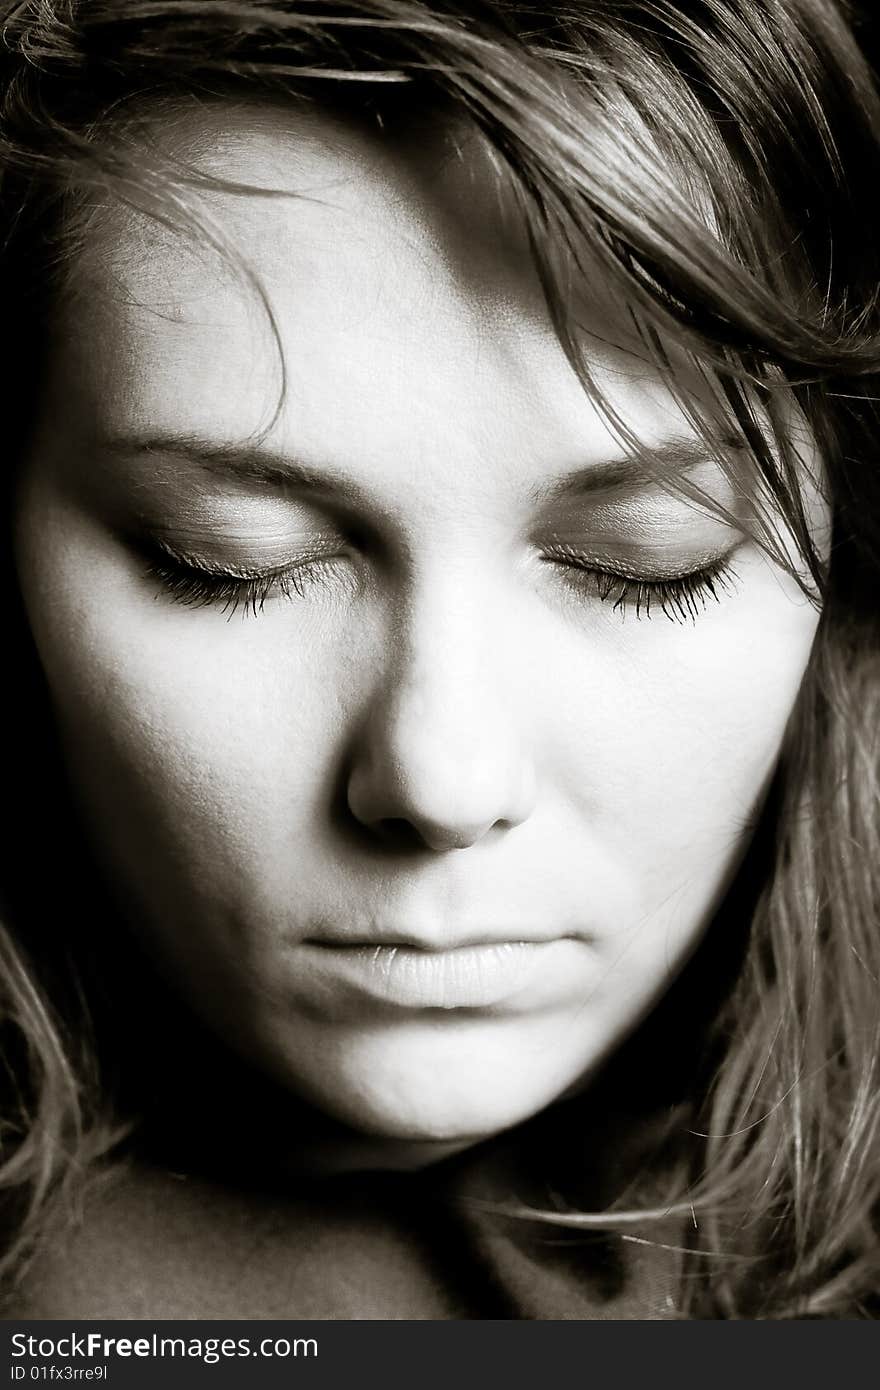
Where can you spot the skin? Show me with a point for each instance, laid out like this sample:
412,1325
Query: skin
441,733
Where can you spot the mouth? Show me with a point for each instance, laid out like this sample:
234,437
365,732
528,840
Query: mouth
470,974
431,938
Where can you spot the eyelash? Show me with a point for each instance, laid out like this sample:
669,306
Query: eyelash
195,587
681,598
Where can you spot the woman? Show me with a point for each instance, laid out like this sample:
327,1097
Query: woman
444,520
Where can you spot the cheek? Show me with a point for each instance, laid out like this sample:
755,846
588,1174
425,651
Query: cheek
179,745
192,741
671,732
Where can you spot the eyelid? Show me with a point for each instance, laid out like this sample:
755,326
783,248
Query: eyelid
190,583
644,566
228,567
652,513
681,598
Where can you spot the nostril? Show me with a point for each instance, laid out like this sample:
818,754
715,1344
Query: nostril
421,833
399,832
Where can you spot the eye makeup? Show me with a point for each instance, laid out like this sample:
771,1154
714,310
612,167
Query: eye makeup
680,597
194,587
237,552
643,549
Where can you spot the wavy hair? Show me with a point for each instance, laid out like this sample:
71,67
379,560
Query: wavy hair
717,162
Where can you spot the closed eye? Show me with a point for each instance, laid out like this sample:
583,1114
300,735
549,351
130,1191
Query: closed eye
680,598
194,584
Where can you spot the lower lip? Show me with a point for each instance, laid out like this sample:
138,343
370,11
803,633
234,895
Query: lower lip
467,977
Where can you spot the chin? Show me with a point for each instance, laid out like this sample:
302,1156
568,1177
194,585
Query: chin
456,1124
417,1120
430,1084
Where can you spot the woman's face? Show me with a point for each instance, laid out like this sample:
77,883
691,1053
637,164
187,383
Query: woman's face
420,732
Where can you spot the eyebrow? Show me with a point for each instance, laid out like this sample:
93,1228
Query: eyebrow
642,467
250,463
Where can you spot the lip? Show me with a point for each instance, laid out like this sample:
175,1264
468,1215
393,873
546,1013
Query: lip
432,937
468,975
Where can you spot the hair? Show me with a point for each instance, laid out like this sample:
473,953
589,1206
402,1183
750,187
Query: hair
717,161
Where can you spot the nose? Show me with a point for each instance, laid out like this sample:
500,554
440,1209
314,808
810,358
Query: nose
440,759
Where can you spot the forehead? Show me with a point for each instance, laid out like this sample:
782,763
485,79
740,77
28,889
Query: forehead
391,278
